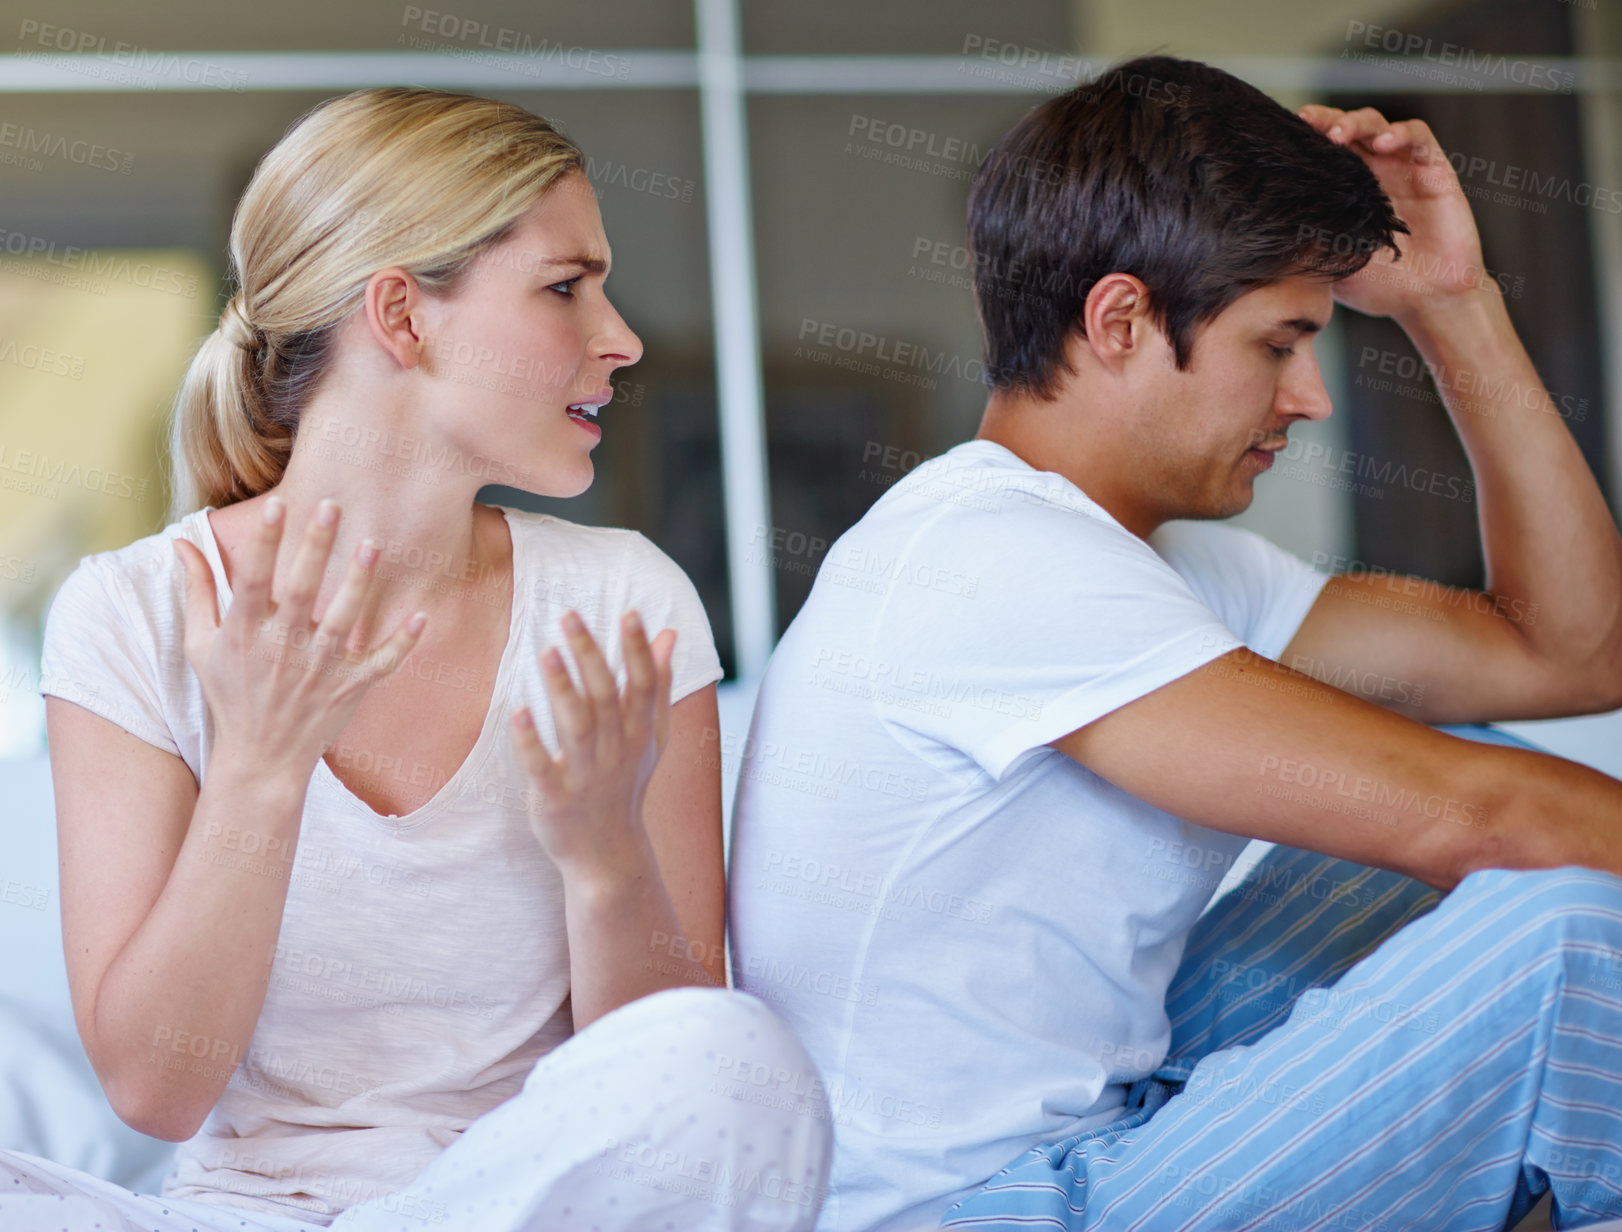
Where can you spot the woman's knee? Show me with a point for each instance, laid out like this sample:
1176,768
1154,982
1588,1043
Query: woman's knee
707,1018
717,1038
749,1048
727,1097
737,1048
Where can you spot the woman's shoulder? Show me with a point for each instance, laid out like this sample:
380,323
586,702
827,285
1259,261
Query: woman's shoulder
146,567
113,640
600,571
558,542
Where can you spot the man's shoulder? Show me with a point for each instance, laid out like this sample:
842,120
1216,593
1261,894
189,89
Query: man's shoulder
1193,544
1260,590
982,476
977,523
980,498
1220,549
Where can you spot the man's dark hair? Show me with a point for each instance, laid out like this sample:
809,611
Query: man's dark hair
1172,171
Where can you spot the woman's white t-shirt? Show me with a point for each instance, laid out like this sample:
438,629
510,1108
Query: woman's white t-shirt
422,965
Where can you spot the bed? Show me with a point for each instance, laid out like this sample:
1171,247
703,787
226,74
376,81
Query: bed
51,1103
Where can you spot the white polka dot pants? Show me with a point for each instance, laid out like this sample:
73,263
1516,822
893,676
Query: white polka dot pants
691,1110
40,1195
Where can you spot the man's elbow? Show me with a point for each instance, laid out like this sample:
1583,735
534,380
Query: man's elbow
1593,669
1595,685
1578,678
1606,670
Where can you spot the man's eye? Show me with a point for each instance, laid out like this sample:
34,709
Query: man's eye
1280,352
564,287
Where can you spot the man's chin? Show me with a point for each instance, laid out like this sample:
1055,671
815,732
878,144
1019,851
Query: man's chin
1219,507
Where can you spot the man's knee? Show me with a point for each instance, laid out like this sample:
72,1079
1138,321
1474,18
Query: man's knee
1578,887
1575,903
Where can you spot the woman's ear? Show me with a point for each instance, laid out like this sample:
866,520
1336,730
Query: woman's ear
394,307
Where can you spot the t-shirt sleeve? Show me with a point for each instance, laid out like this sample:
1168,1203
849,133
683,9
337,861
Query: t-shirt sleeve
665,597
1260,591
97,656
1000,635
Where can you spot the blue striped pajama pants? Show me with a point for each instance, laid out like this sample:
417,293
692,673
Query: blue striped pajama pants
1352,1049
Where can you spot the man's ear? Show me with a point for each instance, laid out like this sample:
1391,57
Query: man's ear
1115,317
394,308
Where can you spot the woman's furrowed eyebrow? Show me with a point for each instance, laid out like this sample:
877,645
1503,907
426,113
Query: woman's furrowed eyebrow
592,265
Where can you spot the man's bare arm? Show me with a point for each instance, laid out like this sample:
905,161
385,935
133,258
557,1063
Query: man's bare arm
1250,747
1545,636
1445,654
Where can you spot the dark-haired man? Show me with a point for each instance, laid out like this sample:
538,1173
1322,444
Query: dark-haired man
1032,710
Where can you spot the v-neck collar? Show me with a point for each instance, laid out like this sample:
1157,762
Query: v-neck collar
488,733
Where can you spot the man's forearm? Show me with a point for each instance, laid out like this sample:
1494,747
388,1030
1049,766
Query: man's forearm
1247,746
1548,536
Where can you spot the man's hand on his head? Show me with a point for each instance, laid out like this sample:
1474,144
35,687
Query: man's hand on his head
1441,258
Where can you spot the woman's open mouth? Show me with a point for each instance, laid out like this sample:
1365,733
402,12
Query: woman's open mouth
584,413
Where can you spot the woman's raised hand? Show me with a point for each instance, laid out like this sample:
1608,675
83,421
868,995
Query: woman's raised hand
587,811
281,685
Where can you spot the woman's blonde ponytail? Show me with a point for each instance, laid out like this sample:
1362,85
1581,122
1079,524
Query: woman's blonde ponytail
222,452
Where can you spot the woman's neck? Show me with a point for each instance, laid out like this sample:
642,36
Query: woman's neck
414,496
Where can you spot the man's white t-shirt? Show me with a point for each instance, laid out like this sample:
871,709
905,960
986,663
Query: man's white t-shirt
972,933
423,964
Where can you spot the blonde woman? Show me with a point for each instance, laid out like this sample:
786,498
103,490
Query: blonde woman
389,916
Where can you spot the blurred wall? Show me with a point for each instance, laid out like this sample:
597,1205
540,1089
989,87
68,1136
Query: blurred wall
851,235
